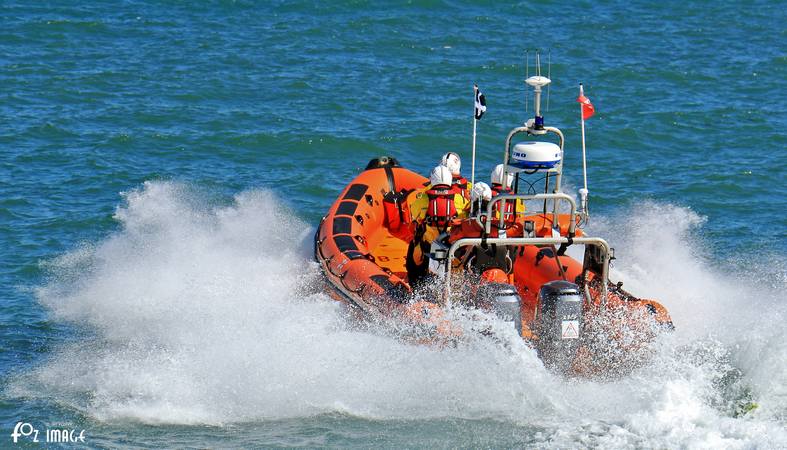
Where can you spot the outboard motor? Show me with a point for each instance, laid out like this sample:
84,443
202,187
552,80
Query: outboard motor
438,257
504,300
559,323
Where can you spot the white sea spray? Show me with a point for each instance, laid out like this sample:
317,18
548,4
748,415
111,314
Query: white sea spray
214,315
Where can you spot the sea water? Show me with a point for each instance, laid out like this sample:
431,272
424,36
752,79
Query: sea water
164,167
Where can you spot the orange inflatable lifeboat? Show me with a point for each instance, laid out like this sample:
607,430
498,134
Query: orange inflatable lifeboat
361,245
502,259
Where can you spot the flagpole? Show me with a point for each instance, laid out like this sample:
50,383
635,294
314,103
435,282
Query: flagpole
583,193
475,122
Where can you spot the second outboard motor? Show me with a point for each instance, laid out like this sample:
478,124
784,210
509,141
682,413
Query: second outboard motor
559,323
438,257
504,300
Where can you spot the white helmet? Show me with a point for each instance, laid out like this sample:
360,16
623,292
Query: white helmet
481,191
497,176
440,175
453,162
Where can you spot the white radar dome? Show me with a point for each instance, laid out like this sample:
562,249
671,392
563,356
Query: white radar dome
535,155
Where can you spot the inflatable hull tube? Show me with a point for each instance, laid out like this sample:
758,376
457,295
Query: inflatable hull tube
356,243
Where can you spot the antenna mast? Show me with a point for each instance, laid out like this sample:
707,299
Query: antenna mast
527,74
549,74
537,82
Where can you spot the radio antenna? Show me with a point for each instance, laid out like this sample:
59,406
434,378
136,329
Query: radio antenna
527,73
549,74
537,82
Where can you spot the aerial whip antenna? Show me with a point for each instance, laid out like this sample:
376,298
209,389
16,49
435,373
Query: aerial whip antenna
549,74
537,82
479,108
586,111
527,75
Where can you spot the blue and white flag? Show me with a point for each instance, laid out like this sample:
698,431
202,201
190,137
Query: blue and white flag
480,103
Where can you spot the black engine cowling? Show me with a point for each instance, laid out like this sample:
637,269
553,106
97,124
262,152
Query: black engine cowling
504,300
559,324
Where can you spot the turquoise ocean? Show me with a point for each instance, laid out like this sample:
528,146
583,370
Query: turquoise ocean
163,166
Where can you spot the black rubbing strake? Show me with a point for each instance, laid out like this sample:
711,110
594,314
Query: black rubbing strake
342,225
346,208
355,192
395,291
345,243
352,254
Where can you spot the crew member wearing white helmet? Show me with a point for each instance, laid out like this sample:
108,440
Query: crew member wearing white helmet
432,211
459,184
502,185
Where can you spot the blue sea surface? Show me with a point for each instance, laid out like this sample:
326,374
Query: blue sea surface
163,165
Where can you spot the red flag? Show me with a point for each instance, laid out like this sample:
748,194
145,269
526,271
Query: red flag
587,108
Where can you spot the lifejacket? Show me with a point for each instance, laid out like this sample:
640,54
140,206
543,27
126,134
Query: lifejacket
509,206
395,208
459,186
441,210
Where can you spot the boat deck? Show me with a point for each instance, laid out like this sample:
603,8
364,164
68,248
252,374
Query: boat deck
390,254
